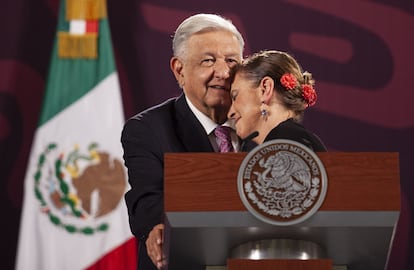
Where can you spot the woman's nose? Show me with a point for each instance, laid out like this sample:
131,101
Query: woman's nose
231,114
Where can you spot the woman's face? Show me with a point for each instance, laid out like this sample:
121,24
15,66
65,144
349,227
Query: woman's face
245,109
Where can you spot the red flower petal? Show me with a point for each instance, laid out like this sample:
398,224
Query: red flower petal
309,94
289,81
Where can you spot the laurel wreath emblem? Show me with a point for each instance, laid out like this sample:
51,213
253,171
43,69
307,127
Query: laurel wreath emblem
65,197
282,182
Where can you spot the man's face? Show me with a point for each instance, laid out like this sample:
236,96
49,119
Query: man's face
207,71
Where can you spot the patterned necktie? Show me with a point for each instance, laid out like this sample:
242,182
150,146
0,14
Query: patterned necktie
224,138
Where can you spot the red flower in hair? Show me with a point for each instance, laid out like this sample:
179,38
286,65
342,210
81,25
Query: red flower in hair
309,94
289,81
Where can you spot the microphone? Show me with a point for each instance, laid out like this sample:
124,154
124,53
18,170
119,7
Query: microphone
248,139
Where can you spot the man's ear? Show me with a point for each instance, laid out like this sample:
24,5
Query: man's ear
176,66
266,89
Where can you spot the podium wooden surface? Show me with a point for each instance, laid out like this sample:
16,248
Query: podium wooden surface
318,264
206,217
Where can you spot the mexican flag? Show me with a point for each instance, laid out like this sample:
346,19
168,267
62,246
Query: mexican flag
74,215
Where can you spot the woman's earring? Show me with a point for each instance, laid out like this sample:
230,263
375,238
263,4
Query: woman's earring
263,112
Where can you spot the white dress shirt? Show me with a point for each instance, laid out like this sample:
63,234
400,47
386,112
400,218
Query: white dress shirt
209,126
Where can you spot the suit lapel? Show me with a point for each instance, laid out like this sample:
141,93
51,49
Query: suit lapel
190,130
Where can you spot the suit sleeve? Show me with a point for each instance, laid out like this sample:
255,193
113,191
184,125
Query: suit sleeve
144,161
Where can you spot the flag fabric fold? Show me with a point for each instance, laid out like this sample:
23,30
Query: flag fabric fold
73,211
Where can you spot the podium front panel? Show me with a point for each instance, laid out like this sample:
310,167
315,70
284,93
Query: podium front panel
206,218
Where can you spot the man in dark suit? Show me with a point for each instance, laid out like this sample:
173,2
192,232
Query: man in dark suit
206,48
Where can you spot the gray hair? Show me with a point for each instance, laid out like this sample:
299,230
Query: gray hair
201,23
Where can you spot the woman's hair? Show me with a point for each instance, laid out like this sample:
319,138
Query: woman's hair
200,23
277,64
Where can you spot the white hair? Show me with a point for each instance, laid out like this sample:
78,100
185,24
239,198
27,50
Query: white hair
202,23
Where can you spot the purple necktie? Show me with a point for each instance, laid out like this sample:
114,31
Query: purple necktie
224,138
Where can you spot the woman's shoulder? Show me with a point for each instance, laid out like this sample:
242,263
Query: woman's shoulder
295,131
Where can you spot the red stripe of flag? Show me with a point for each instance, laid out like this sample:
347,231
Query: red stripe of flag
123,257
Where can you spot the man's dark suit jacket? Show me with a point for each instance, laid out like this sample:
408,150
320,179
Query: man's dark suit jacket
168,127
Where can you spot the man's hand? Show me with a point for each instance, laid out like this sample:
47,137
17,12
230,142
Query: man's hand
154,245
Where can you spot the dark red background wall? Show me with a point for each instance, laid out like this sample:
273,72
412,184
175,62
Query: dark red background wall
360,53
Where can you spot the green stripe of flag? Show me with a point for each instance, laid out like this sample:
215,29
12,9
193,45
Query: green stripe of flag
70,79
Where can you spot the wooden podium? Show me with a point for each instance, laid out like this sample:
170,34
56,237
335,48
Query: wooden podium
206,218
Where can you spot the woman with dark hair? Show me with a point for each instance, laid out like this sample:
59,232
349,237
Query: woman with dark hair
270,93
